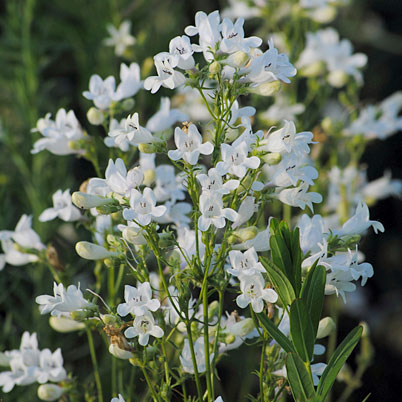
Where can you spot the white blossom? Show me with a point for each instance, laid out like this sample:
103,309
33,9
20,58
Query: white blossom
143,327
244,264
101,92
63,302
189,145
299,197
199,351
63,208
120,37
213,182
138,300
253,292
180,47
143,207
213,213
59,134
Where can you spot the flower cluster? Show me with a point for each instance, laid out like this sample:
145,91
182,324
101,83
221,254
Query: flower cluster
28,364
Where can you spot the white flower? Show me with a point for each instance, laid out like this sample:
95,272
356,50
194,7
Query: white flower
165,117
143,327
102,92
244,264
167,185
299,197
253,292
62,208
235,160
130,81
208,29
51,367
119,399
270,66
167,76
132,133
199,351
143,207
176,213
290,170
246,210
213,182
311,232
120,37
63,302
286,140
138,300
180,47
382,187
360,222
339,282
24,236
233,39
189,145
117,180
213,213
58,134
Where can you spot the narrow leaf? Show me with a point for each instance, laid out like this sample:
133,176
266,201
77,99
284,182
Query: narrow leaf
281,283
313,294
337,361
301,330
299,379
276,334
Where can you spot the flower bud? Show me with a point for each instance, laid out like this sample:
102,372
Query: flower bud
91,251
313,70
213,308
272,158
166,240
214,67
238,59
87,201
95,116
49,392
325,327
134,236
149,177
337,78
80,315
65,324
120,353
267,88
327,124
128,104
241,328
113,240
242,235
229,339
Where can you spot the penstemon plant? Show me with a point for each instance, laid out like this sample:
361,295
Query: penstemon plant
196,242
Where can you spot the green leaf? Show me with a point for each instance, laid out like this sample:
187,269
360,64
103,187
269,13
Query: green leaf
286,252
312,294
276,334
281,283
301,330
300,380
337,361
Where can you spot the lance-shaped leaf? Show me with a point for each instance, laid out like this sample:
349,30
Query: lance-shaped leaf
301,330
286,252
300,380
281,283
337,361
275,333
312,294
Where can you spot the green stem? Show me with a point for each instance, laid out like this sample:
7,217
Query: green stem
208,373
150,386
262,369
95,364
194,360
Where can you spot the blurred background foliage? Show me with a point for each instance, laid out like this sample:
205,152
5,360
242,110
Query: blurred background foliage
49,50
